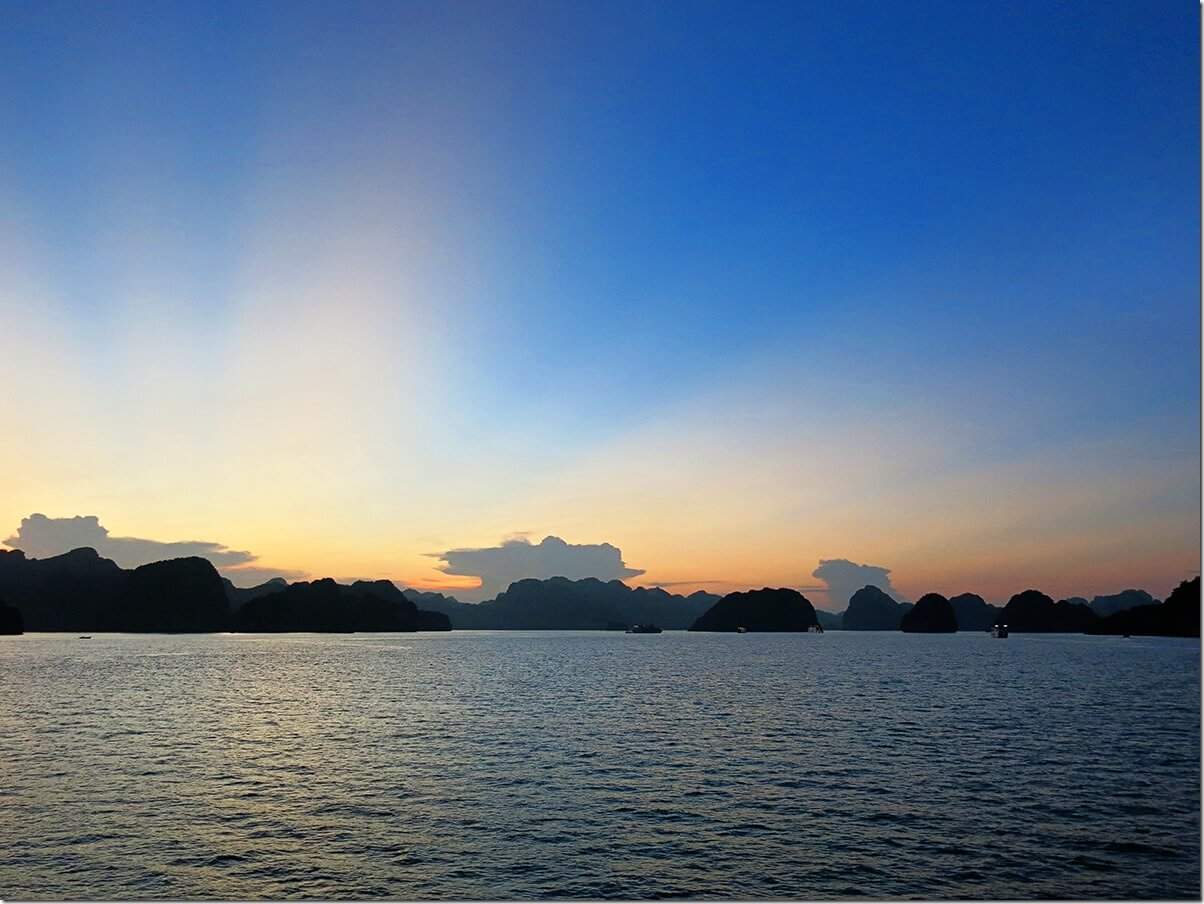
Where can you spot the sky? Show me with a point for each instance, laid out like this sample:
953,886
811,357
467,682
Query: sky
729,288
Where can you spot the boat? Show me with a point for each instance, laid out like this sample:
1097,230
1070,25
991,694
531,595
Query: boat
815,629
85,637
1000,631
644,629
742,630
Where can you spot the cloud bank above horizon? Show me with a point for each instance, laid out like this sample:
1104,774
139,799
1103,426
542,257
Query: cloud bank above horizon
844,578
497,567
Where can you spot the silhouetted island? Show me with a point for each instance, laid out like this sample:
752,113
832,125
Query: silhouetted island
1179,616
561,604
973,613
932,614
872,610
176,596
830,621
1032,611
759,610
10,619
81,591
239,596
63,593
328,606
1103,606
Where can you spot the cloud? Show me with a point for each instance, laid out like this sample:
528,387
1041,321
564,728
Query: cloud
40,537
517,558
844,578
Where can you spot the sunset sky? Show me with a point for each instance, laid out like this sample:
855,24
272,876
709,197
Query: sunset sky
731,287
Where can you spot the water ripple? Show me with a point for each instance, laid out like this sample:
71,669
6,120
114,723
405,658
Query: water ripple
479,765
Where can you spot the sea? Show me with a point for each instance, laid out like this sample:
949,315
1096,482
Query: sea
599,765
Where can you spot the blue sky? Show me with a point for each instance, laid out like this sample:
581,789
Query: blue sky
578,221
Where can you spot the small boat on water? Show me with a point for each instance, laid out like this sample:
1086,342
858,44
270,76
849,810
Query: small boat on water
644,629
742,630
815,629
85,637
1000,631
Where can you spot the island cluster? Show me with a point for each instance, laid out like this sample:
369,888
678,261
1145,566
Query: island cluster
82,591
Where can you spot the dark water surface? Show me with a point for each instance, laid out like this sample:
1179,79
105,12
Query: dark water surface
519,765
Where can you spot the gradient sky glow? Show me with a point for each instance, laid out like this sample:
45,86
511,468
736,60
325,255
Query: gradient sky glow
734,287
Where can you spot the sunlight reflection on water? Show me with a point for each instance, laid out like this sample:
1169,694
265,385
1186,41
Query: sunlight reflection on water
524,764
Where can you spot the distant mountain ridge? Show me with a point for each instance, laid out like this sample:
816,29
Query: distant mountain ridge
327,606
830,621
1031,611
1128,612
238,596
1179,616
1103,606
562,604
973,613
81,591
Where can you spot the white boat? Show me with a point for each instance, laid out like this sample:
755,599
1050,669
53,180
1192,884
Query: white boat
999,631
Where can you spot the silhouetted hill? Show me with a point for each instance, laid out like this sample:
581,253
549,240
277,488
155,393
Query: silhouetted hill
237,596
425,619
176,595
327,606
461,615
973,613
872,610
1103,606
932,614
830,621
1073,617
80,591
429,597
429,620
561,604
766,609
1179,616
62,593
1034,612
10,619
1029,610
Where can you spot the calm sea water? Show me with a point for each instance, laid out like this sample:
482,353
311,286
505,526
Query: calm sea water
597,765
